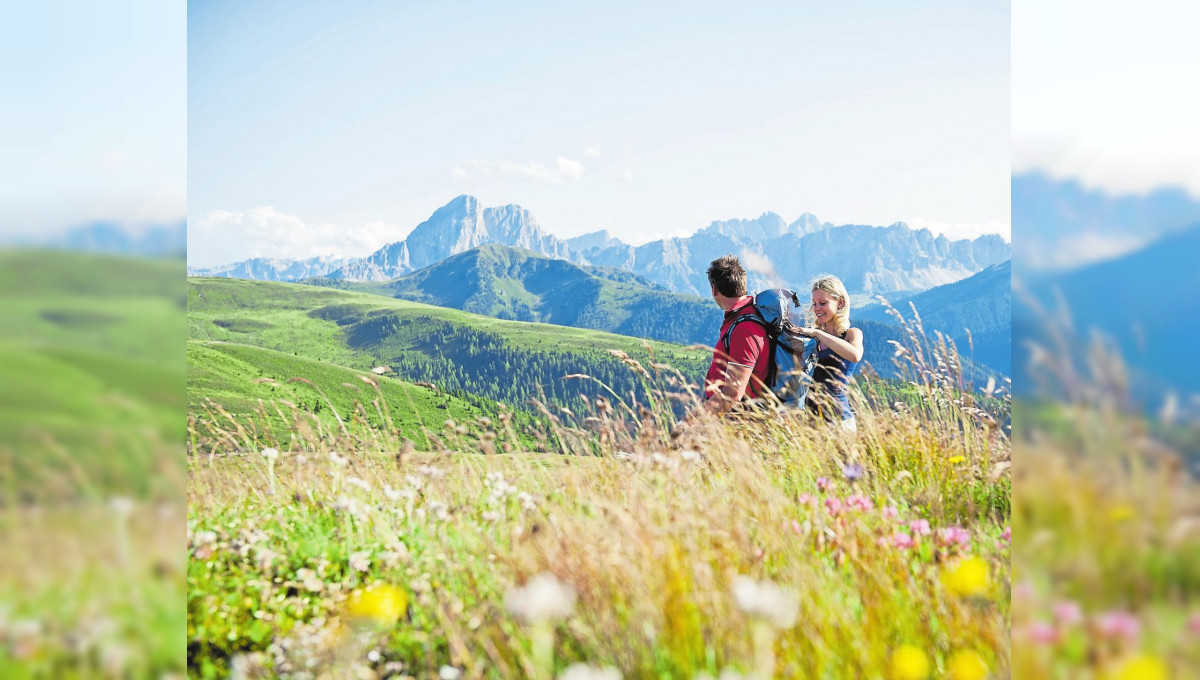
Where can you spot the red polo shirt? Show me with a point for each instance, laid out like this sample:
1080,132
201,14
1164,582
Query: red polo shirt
746,348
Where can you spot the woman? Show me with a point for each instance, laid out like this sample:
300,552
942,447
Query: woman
839,349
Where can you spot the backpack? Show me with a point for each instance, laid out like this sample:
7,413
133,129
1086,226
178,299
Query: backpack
789,370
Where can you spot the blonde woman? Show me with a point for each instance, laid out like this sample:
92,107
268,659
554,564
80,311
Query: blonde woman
839,349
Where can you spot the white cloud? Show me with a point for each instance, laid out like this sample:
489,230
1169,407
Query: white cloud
962,230
564,169
591,151
570,168
225,236
627,176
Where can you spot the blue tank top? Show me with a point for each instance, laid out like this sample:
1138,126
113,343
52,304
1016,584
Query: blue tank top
830,376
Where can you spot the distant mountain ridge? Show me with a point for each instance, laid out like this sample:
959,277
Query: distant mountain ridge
869,259
518,284
148,240
981,303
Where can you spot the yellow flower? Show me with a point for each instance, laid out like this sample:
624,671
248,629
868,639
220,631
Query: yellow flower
966,577
1121,513
1142,667
957,459
909,663
381,603
966,665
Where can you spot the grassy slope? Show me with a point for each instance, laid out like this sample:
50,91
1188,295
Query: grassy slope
94,383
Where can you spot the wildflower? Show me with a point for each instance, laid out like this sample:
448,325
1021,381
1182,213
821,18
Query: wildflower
1067,613
122,506
690,456
852,472
966,665
889,512
902,540
440,512
1120,513
491,516
823,483
340,461
309,580
1007,535
527,502
909,663
579,671
967,577
1116,624
270,454
1142,667
859,502
1193,623
542,599
954,460
1042,633
360,561
806,499
449,673
953,537
833,506
919,527
765,600
355,481
381,603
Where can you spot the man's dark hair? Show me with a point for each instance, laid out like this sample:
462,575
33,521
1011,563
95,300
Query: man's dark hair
728,276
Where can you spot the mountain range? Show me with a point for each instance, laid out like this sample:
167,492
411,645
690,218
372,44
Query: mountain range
892,259
1060,225
980,304
519,284
150,240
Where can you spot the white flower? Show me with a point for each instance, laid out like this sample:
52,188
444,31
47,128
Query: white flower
270,454
440,512
205,538
491,516
339,461
360,561
449,673
542,599
527,503
122,506
359,483
580,671
767,601
689,456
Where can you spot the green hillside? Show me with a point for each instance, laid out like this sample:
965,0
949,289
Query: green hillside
259,389
518,284
465,355
93,381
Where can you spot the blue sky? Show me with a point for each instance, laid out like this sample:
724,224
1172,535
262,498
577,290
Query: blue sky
337,127
94,116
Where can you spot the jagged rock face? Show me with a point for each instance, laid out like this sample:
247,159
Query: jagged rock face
870,260
266,269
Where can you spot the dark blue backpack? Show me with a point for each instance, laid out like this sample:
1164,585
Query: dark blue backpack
790,364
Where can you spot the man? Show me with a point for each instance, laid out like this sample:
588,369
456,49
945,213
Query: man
741,373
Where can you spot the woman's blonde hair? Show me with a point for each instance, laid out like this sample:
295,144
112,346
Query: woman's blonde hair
836,289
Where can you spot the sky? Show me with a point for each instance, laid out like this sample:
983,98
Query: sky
334,128
1101,93
93,119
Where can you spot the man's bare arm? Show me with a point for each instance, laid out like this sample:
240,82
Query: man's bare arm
737,378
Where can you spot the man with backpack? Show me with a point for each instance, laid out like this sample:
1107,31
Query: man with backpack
738,372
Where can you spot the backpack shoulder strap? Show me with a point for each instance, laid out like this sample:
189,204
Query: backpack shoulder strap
751,315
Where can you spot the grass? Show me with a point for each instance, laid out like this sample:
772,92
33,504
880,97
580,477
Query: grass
891,541
91,466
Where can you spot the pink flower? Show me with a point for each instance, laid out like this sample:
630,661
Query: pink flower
1007,535
919,527
1193,623
1067,613
833,505
795,526
823,483
1023,591
859,502
953,536
901,539
806,499
1118,624
1042,633
890,512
